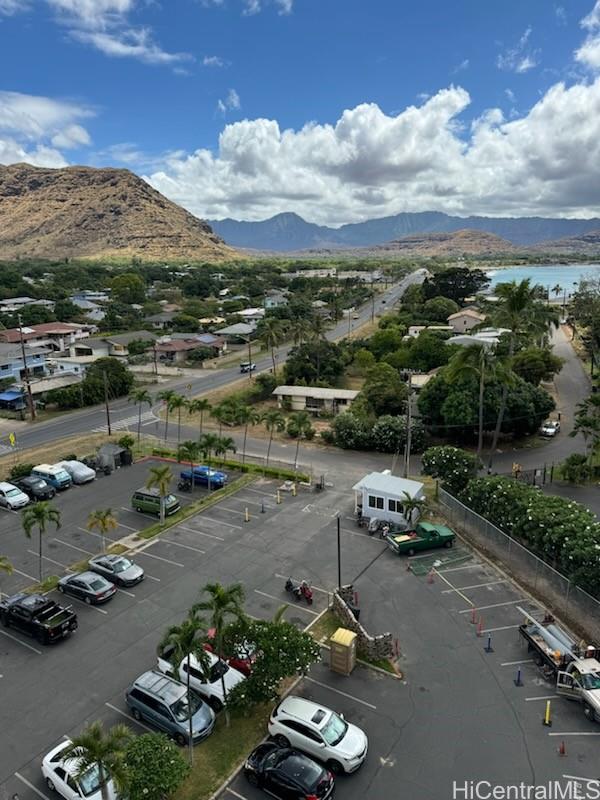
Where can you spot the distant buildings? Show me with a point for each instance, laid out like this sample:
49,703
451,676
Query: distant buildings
16,304
465,320
315,399
57,336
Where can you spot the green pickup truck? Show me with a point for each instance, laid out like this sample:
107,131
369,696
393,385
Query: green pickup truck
425,536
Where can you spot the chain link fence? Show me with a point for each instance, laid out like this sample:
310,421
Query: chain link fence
558,593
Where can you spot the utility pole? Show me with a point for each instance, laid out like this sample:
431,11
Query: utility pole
408,427
249,358
372,301
26,368
339,553
106,402
155,361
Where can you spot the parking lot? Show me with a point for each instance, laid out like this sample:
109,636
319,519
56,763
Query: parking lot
455,716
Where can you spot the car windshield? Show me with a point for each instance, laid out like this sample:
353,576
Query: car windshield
302,769
170,498
13,492
335,730
218,669
591,680
121,565
89,782
38,484
181,710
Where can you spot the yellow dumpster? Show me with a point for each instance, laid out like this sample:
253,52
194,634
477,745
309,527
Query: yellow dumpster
343,651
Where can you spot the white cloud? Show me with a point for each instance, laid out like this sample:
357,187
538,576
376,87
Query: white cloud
35,129
520,58
510,94
591,22
10,7
251,7
370,164
129,44
589,52
214,61
285,6
561,15
462,66
230,103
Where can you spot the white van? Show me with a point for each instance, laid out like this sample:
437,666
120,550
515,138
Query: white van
53,474
11,496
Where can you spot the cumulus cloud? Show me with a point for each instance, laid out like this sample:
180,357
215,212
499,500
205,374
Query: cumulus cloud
251,7
372,164
589,52
520,58
230,103
36,129
10,7
462,66
214,61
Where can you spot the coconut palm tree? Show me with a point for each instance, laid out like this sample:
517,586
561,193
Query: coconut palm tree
300,422
519,310
105,751
223,604
160,477
104,520
182,642
208,443
411,504
166,395
140,397
300,329
199,405
557,289
189,451
224,445
224,413
272,334
39,516
176,403
245,415
273,420
5,566
587,423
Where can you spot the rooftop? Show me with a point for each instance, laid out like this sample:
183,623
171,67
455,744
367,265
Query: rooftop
468,312
389,485
317,392
34,331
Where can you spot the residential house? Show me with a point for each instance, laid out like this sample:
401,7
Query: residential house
93,295
465,320
275,299
415,330
15,304
12,364
91,310
382,495
208,340
328,272
162,320
204,321
116,346
240,331
251,315
488,337
315,399
76,365
57,336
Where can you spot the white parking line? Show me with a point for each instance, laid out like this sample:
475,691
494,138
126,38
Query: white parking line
24,574
514,663
139,513
375,540
200,533
494,605
232,511
337,691
575,733
129,594
501,628
279,600
74,546
159,558
543,697
316,588
127,527
14,638
457,569
51,560
236,794
474,586
220,522
452,589
31,786
152,578
129,717
83,603
179,544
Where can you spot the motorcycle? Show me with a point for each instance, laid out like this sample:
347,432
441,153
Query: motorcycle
184,486
300,590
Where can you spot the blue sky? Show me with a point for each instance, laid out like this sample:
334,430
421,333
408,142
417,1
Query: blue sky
337,109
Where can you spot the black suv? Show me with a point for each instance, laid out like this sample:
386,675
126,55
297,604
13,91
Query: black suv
36,488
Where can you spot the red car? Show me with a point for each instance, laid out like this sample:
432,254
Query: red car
242,660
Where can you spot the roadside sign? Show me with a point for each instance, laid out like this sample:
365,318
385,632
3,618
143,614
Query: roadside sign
12,439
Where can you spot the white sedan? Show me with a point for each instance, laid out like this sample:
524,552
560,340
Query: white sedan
79,472
550,428
61,776
210,686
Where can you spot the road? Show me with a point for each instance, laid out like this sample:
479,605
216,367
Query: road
123,414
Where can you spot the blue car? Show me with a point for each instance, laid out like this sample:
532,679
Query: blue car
201,477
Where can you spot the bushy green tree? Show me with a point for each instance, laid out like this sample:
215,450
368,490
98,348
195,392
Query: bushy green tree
128,288
438,309
455,283
454,467
314,363
154,767
384,392
389,434
535,364
351,432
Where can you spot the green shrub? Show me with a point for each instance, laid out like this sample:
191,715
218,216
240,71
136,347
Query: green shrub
352,432
20,471
453,466
576,468
389,434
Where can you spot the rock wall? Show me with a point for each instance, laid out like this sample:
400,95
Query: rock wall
372,647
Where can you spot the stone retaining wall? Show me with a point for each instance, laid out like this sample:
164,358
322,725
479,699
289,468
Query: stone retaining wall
372,647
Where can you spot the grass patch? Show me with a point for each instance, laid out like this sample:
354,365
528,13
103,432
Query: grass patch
194,508
49,583
217,757
117,549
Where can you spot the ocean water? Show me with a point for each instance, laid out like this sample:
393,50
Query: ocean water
548,275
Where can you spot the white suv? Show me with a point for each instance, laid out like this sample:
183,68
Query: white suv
320,732
210,686
12,497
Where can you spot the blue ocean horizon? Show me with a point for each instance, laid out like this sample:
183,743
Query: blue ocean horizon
548,275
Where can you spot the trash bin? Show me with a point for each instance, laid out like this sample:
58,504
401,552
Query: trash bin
342,655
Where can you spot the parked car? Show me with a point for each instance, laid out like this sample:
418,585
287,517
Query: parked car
87,586
201,475
36,488
38,616
60,774
79,472
210,686
320,732
243,658
148,501
287,774
550,428
118,569
247,366
425,536
162,701
54,475
12,497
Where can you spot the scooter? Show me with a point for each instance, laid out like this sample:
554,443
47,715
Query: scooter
299,590
184,486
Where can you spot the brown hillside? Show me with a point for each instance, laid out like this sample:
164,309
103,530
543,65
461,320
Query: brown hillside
457,243
82,212
587,243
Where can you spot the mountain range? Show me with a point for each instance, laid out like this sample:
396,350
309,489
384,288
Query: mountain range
289,232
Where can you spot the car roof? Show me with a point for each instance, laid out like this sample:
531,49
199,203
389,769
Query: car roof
160,685
88,575
305,710
6,485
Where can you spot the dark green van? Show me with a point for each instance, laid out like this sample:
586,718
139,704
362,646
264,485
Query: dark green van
148,501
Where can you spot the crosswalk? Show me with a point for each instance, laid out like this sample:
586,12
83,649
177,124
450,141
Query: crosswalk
127,423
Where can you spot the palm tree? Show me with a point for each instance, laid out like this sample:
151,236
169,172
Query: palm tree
299,330
273,420
301,422
318,329
160,477
273,332
411,504
519,310
5,566
224,445
94,748
199,405
245,415
224,604
182,642
189,451
139,397
208,443
176,403
224,413
39,516
104,520
166,395
557,289
587,423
